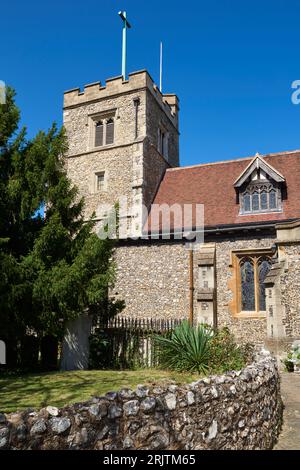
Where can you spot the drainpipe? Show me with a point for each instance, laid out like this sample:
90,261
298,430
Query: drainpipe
136,102
191,313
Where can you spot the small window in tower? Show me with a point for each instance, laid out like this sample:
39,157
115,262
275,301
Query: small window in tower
102,129
99,134
110,131
163,142
100,181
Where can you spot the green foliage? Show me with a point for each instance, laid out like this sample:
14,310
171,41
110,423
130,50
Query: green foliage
225,354
203,350
187,348
53,267
121,348
292,359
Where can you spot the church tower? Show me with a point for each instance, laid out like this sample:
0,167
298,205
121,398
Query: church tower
122,137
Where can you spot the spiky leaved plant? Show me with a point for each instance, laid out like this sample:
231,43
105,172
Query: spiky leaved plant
186,349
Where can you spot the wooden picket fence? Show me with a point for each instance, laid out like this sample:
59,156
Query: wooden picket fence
130,342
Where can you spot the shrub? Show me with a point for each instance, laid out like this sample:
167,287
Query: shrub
186,349
203,350
292,359
225,354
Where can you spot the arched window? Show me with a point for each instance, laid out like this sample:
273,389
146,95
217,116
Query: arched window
251,289
110,131
104,131
247,285
264,266
99,134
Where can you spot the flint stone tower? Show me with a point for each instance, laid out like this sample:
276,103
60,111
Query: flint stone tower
122,137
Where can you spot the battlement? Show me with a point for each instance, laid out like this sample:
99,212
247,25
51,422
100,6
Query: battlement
117,86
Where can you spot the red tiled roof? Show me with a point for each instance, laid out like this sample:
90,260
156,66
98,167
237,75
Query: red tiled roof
212,184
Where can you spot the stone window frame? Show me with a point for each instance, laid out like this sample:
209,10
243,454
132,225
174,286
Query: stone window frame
235,282
163,142
95,175
103,116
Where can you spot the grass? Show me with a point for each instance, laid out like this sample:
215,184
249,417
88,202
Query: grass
19,392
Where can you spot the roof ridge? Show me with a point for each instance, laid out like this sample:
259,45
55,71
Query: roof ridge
288,152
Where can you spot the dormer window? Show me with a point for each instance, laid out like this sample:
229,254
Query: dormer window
259,188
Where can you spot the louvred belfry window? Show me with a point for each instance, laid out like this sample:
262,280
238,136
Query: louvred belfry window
99,134
110,131
103,130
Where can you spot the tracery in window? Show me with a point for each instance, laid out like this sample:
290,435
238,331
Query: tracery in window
104,131
264,266
247,285
252,271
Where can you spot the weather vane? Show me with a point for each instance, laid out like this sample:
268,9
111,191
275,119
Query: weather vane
126,25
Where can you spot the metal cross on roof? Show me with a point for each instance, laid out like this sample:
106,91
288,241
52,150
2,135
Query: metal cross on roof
126,25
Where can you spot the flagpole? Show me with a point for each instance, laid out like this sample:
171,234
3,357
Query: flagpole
160,66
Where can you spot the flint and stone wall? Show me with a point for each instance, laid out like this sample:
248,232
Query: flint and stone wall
290,290
153,280
238,410
133,167
244,329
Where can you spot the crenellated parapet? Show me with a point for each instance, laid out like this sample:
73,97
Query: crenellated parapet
117,86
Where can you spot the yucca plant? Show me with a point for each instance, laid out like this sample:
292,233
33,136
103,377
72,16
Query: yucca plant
186,349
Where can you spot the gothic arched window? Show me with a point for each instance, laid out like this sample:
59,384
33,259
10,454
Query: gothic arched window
103,132
263,266
247,285
99,134
110,131
251,276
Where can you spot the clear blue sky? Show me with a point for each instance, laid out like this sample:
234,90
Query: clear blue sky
230,62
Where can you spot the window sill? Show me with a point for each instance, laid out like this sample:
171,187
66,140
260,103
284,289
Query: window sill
270,211
256,315
100,147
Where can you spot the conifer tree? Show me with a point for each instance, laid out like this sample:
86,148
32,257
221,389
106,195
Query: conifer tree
53,266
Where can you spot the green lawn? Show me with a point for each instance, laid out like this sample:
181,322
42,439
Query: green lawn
61,388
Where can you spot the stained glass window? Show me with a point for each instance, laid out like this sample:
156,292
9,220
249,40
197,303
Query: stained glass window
264,266
247,286
253,271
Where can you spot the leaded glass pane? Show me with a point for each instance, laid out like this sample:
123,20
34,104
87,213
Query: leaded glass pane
255,202
273,200
247,206
263,269
263,200
247,286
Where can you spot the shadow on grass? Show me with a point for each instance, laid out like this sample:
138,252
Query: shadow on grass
61,388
